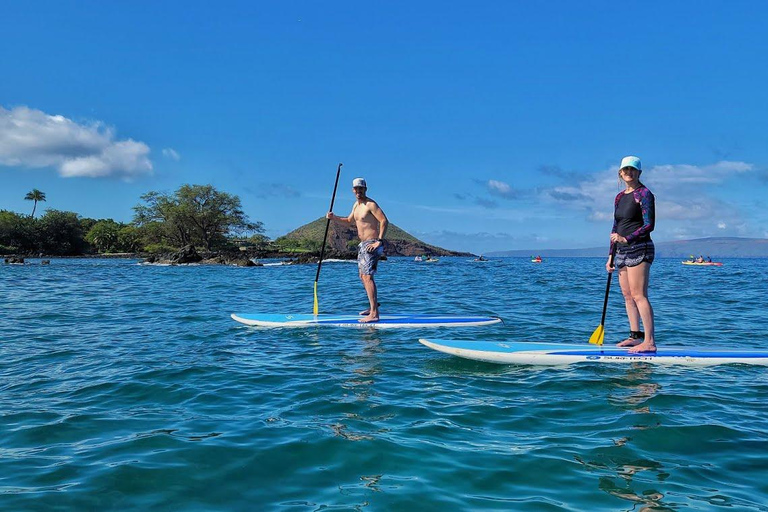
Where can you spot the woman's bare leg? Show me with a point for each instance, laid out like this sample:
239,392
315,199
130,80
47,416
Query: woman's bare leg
629,303
638,285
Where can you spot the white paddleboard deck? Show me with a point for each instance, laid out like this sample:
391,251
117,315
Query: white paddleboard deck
554,354
385,321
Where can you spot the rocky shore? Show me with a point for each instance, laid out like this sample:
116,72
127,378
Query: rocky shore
189,254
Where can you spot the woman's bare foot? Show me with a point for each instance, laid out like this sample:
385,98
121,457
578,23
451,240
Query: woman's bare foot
629,342
369,319
646,346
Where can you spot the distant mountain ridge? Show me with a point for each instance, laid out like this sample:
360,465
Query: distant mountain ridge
343,238
715,247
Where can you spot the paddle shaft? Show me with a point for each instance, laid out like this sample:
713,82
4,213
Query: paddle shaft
327,223
608,284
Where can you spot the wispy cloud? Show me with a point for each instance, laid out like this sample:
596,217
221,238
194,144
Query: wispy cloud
687,200
495,188
480,242
667,175
266,190
567,196
171,154
486,203
502,189
31,138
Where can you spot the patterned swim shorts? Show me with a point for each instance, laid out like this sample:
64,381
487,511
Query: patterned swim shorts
635,254
368,261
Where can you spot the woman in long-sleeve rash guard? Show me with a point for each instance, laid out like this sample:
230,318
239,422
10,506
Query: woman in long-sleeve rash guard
634,219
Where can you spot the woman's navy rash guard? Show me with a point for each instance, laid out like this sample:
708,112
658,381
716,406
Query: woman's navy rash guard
634,215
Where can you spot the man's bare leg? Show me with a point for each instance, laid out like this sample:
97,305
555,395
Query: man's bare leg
367,311
370,289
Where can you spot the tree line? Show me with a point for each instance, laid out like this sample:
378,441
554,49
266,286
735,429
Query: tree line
197,215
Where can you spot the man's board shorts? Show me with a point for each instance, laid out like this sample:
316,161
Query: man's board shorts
368,261
635,254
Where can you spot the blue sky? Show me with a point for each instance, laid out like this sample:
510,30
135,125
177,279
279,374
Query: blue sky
479,125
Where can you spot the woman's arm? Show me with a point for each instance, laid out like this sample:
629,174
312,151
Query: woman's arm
647,203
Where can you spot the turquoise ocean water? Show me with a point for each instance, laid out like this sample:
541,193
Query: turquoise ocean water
128,387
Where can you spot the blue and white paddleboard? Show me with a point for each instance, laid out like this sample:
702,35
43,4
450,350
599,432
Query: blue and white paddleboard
385,321
552,354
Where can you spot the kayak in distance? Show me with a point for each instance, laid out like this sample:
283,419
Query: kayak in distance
557,354
703,263
384,322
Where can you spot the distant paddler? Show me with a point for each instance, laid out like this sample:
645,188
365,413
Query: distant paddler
371,228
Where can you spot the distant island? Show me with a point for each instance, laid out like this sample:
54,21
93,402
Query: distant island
715,247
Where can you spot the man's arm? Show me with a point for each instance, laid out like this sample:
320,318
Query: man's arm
348,220
381,217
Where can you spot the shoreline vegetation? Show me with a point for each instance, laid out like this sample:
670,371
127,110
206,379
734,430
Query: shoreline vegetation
195,224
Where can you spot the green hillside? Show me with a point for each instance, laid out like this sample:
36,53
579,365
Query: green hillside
342,238
315,229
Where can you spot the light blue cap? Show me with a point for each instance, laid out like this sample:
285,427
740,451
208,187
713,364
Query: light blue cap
631,161
359,182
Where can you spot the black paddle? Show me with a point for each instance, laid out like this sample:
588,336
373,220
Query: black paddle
599,335
316,308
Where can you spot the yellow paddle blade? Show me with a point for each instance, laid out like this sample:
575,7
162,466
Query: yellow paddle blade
315,307
598,336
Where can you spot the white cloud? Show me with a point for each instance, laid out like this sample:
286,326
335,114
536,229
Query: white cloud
172,154
676,175
499,186
32,138
673,186
501,189
687,198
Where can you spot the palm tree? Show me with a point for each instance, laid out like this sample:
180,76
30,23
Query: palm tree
35,196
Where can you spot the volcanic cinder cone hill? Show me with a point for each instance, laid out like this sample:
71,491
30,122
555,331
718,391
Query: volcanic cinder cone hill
342,238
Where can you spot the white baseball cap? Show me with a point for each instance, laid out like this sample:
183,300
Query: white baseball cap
359,182
631,161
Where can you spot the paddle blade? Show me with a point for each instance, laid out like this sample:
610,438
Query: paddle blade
598,336
315,307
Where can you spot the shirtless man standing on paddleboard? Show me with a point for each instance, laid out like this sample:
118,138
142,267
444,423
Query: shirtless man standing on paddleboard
371,227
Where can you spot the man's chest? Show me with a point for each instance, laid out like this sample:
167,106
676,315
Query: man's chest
362,212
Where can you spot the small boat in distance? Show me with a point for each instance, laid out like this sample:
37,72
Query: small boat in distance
536,259
700,261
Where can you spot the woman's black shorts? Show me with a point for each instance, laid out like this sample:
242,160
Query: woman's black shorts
635,254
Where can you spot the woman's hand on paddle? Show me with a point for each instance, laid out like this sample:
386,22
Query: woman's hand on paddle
329,215
608,267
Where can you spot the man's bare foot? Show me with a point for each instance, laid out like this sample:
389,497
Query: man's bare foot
367,312
369,319
629,342
646,346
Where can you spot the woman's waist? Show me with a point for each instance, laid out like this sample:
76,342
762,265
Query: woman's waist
637,242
